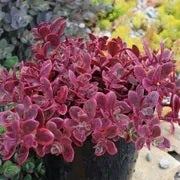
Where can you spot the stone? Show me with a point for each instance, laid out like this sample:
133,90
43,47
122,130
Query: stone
148,170
164,164
148,156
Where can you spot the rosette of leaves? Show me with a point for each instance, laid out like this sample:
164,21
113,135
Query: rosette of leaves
77,88
18,17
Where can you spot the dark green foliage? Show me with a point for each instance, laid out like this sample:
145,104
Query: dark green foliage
32,169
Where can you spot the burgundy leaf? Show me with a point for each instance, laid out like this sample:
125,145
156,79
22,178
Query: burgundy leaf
135,50
53,38
156,131
113,48
90,108
44,136
10,85
111,148
43,31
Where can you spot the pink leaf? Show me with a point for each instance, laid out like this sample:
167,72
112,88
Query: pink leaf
74,112
79,134
46,69
58,26
44,136
166,70
62,94
111,148
111,132
151,99
140,143
31,112
147,84
133,98
96,124
111,99
139,72
58,121
62,109
72,78
101,100
68,153
46,87
90,108
22,155
29,141
29,126
133,56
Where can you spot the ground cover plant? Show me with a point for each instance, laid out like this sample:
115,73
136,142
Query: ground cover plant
74,89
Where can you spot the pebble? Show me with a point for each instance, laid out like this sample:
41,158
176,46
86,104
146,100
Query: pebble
164,164
148,156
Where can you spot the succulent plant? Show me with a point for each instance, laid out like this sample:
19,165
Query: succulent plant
74,89
18,17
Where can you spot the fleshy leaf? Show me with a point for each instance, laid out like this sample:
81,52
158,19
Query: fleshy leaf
22,155
151,99
29,126
140,143
74,112
44,136
101,100
139,72
111,148
90,108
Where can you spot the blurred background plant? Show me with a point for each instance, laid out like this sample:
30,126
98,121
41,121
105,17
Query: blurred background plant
17,17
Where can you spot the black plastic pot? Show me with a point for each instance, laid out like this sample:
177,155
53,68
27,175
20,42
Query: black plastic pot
86,166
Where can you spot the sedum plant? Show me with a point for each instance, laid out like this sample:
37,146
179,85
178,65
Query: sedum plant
74,90
18,17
